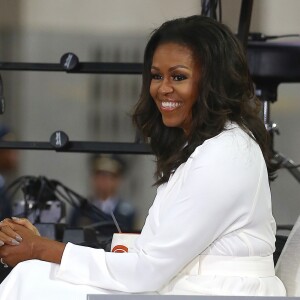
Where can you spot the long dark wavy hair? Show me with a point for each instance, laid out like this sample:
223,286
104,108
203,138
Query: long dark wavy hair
226,93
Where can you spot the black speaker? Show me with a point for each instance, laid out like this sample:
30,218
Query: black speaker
81,236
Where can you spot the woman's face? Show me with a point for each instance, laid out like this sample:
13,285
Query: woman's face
174,85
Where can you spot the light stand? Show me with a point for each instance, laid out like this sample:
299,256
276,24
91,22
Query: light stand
272,63
272,128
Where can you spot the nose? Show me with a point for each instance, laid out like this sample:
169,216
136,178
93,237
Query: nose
165,87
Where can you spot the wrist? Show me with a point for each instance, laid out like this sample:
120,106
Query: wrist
47,250
39,247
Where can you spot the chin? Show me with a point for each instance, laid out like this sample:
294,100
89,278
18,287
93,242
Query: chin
171,122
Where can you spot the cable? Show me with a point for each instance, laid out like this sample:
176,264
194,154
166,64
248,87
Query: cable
80,202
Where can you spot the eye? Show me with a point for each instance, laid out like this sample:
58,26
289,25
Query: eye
179,77
156,76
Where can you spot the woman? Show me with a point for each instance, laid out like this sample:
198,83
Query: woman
210,229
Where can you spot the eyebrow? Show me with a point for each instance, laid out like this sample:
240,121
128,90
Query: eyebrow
172,68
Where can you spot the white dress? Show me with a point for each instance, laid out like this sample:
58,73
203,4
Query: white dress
210,231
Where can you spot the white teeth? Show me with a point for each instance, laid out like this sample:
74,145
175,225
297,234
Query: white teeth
168,104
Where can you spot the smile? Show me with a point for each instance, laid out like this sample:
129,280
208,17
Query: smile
170,105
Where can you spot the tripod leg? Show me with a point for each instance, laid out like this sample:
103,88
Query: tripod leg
288,164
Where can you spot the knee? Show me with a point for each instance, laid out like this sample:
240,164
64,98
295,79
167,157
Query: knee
24,265
28,267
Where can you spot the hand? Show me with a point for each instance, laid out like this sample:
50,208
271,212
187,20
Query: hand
12,255
7,230
32,246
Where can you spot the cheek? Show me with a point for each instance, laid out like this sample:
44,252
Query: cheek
194,94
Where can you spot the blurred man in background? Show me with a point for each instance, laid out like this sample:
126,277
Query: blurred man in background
106,178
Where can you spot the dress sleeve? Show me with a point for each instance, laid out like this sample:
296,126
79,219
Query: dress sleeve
216,197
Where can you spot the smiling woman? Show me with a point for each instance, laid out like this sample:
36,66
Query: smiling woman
195,80
210,230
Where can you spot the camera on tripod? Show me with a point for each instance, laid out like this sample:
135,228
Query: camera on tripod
44,204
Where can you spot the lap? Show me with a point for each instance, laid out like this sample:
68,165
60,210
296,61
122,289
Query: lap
35,279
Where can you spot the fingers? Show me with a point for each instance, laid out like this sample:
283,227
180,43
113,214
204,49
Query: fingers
26,223
7,222
9,236
9,228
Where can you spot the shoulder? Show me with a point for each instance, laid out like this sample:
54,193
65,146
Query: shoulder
231,148
231,139
232,161
233,136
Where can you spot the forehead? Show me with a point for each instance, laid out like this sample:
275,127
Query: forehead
173,53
